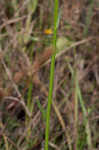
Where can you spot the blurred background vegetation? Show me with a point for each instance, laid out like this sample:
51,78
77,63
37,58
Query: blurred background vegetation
26,34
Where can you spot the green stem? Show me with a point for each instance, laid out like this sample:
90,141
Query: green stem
52,68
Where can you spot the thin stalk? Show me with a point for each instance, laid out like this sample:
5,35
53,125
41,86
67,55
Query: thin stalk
52,68
89,17
87,127
76,112
30,107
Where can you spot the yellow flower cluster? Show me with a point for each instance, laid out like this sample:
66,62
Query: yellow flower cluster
48,31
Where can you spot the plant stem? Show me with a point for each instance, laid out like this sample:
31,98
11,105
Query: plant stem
52,68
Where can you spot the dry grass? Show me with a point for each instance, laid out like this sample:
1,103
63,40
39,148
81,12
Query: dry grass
25,52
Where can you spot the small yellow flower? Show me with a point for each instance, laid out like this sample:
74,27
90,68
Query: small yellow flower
48,31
